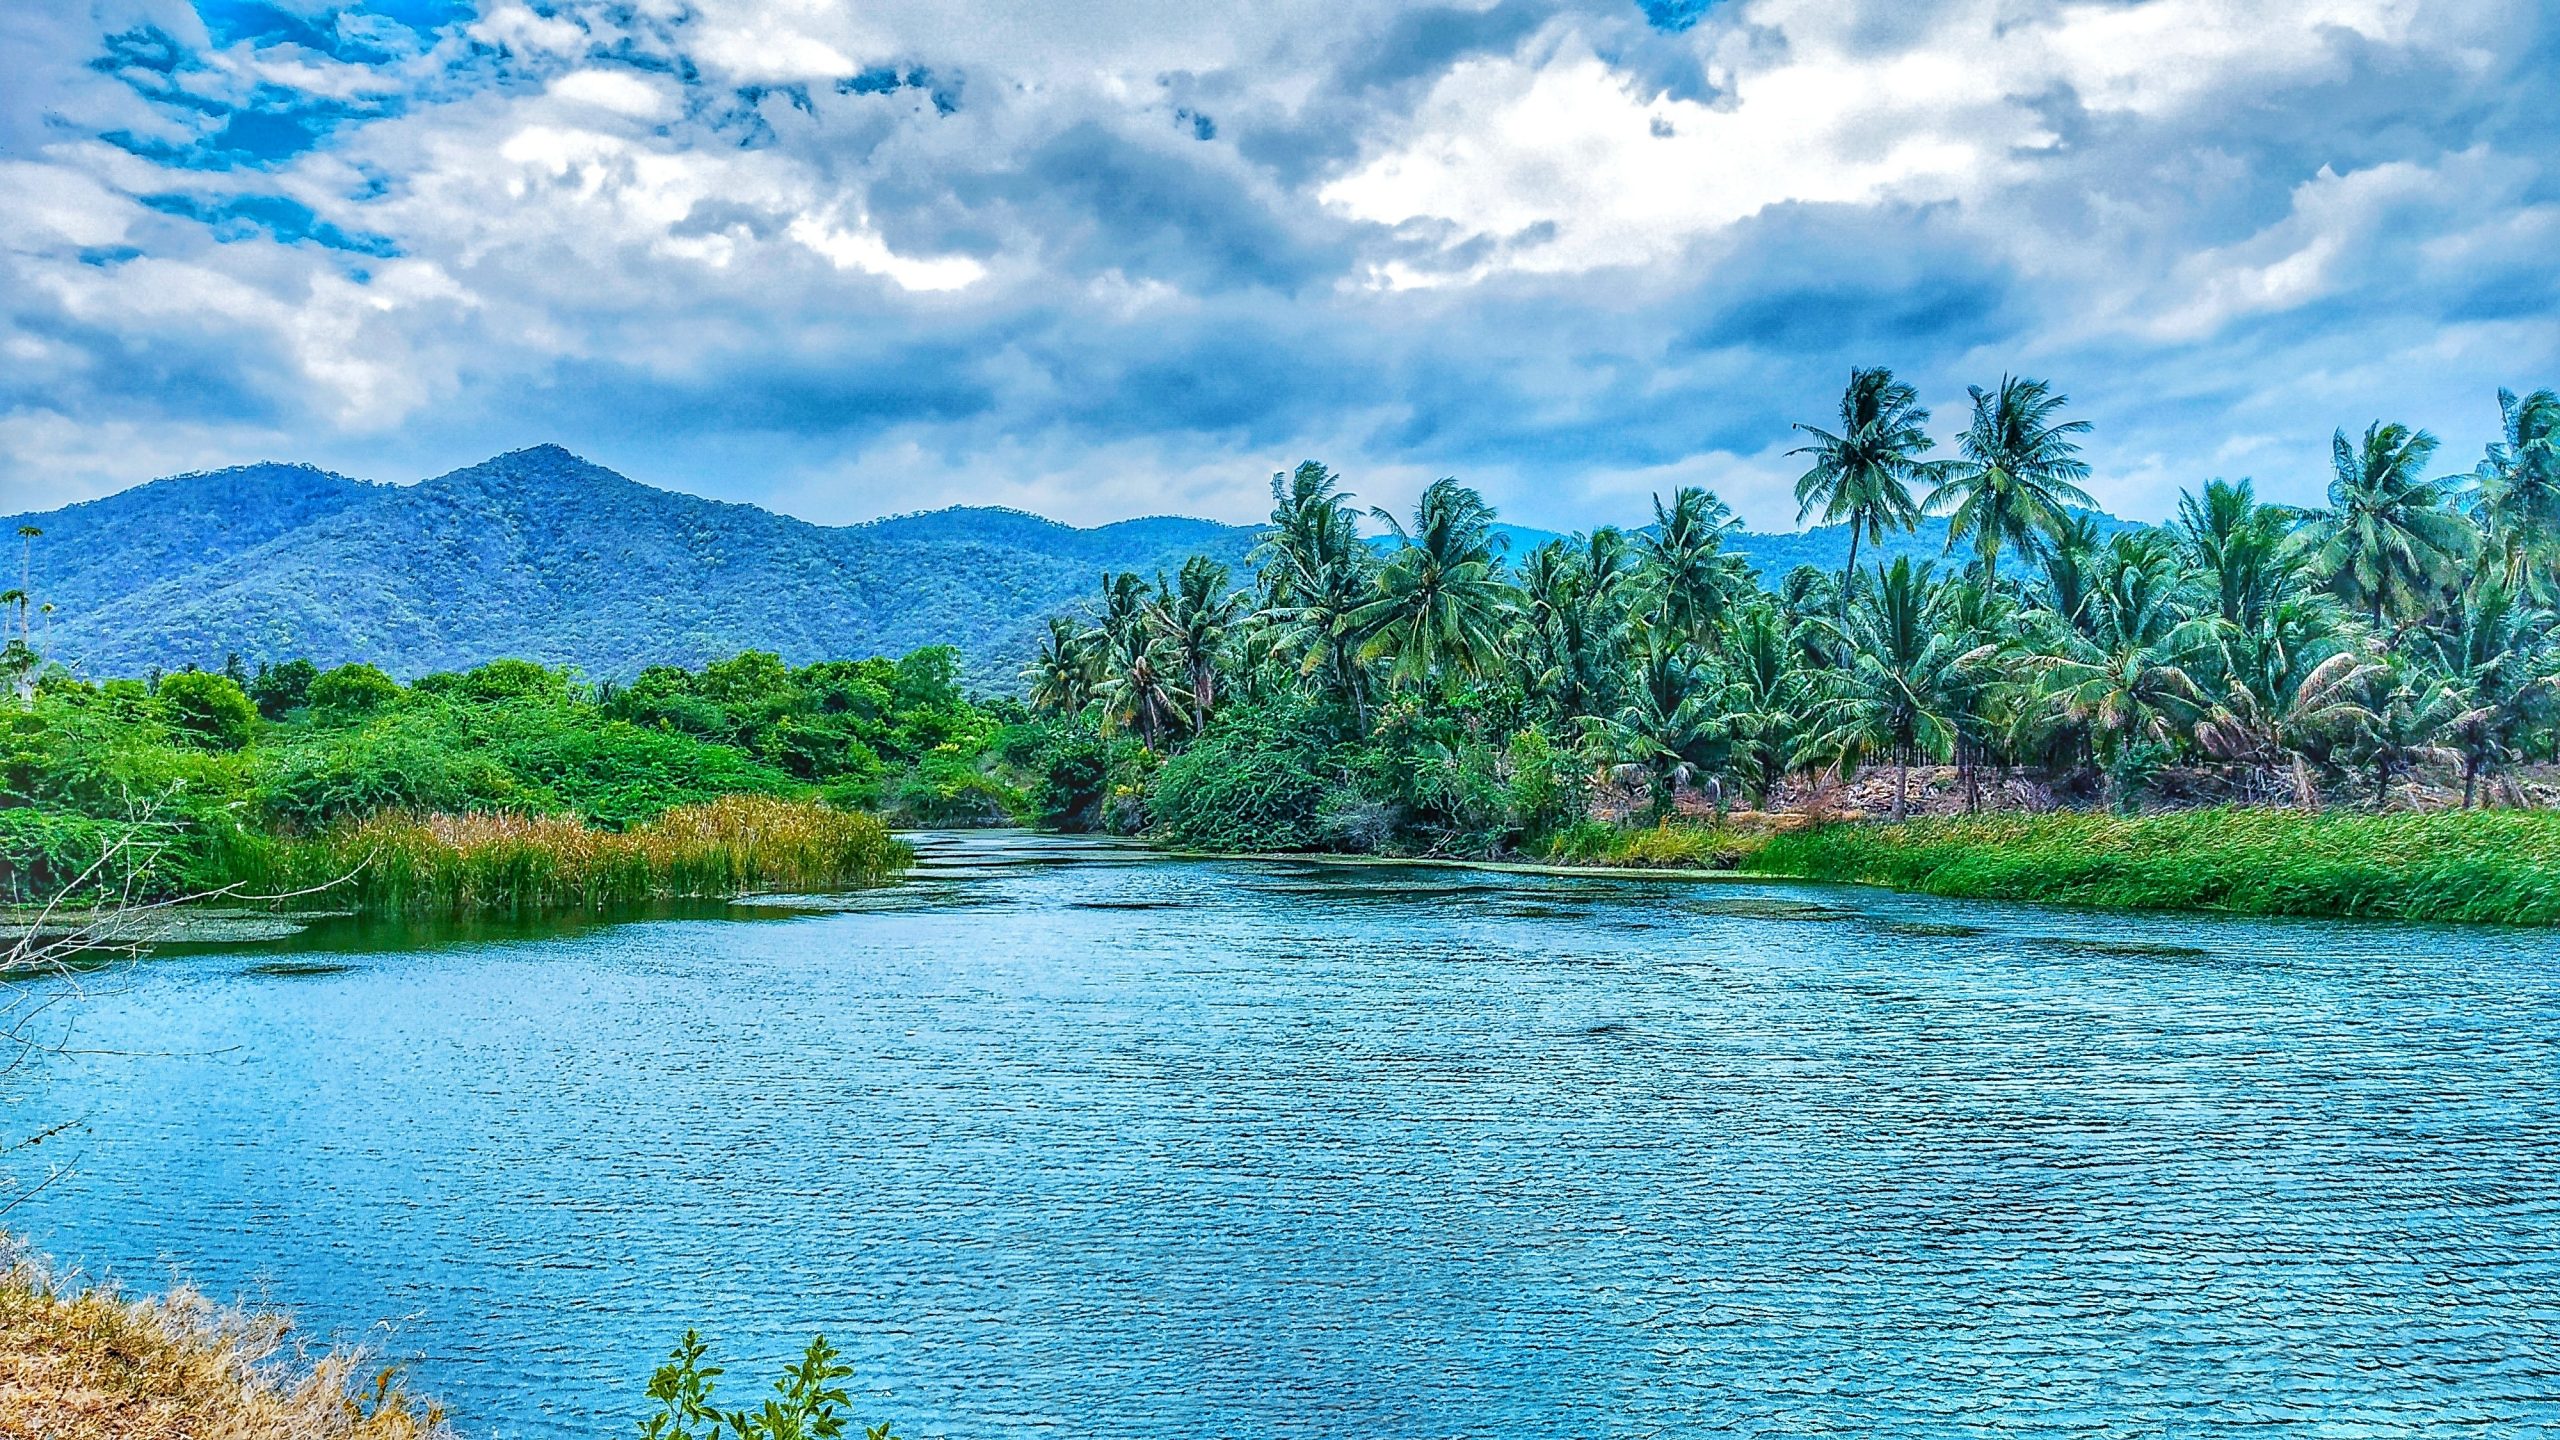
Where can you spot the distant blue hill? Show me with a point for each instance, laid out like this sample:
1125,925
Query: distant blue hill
542,555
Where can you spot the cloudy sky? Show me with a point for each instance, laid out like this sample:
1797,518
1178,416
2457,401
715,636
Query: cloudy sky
1130,256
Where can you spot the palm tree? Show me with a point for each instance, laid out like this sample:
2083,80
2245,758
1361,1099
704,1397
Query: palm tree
1135,691
1862,475
2390,538
2021,470
2518,498
26,572
1192,619
1315,571
1571,624
1061,671
1686,574
1670,731
1766,698
1440,598
2124,674
2239,546
1895,697
2495,660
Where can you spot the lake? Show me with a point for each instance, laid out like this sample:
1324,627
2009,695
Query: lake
1068,1138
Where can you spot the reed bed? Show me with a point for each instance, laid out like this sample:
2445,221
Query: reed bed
88,1363
2484,866
484,863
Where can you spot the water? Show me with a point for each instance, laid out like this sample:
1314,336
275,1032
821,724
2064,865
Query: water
1069,1139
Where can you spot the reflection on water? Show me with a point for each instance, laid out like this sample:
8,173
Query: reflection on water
1060,1137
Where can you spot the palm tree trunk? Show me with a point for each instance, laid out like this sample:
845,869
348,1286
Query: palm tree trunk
1901,785
1848,576
2470,781
2305,794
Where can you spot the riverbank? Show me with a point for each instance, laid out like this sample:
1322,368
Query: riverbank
2482,867
77,1361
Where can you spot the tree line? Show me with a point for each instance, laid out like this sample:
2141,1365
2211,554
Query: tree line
2268,652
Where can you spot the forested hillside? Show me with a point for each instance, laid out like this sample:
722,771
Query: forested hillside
540,555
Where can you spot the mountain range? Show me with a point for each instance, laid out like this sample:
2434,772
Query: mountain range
541,555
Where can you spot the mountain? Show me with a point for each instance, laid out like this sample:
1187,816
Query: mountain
542,555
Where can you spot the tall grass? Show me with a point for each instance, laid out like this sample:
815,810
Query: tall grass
90,1363
2495,866
467,864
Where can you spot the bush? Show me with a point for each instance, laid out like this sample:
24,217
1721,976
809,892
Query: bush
352,690
209,710
1252,783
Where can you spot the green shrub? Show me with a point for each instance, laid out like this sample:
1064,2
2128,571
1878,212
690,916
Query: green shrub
208,709
352,690
808,1403
1252,783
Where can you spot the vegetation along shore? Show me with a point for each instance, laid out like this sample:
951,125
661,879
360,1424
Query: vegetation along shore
2252,707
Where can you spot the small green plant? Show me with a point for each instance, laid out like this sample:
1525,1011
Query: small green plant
808,1401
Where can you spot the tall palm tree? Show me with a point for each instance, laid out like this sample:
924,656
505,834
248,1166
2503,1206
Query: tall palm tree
1671,730
2239,547
1192,618
1136,690
1440,596
1896,697
1766,698
2020,472
1688,578
2390,538
26,573
1061,671
1861,475
2518,499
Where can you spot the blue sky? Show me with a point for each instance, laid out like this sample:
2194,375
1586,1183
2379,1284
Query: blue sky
1130,257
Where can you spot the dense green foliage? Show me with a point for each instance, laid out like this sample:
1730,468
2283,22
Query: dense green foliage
1437,695
2501,866
581,794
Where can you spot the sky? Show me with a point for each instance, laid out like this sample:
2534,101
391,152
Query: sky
1130,257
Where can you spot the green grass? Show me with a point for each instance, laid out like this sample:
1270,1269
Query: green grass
2493,866
1666,846
481,864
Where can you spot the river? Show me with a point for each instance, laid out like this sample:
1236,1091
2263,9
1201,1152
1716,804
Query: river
1066,1138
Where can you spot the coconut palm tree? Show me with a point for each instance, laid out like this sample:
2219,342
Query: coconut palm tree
1896,697
2020,472
1440,599
2123,673
1061,671
1671,730
1192,618
2390,540
1862,474
2518,495
1688,579
1137,692
2495,660
1766,698
2239,547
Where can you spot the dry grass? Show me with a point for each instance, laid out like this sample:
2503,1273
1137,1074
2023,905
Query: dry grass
86,1364
498,863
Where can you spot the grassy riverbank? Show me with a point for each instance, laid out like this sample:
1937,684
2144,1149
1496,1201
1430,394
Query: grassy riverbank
90,1363
2490,866
480,864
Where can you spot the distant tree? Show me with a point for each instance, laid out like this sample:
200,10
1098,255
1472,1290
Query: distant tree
1192,619
279,689
2518,495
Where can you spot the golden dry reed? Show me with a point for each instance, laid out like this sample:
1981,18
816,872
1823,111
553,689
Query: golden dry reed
491,863
87,1364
